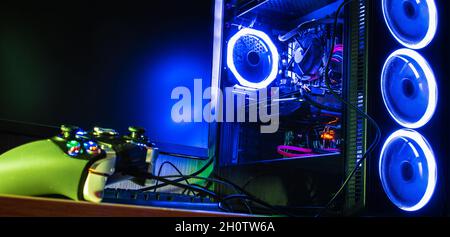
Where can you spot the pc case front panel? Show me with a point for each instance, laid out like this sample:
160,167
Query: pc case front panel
357,91
385,43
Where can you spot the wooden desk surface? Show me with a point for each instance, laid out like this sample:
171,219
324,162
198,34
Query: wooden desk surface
15,206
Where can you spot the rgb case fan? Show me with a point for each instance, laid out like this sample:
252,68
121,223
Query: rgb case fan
413,23
252,58
409,89
407,168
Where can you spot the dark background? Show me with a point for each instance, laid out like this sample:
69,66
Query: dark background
105,63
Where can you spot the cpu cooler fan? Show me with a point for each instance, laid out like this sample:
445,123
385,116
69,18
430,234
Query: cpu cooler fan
308,55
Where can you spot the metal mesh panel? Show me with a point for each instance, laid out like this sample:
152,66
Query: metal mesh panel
356,145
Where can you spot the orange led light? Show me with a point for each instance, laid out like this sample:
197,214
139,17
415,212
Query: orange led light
329,135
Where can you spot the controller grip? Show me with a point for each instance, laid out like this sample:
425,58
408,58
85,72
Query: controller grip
41,168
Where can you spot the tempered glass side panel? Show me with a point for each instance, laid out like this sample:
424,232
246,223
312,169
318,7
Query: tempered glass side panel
300,35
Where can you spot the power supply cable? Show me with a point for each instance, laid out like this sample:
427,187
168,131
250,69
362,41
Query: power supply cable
354,107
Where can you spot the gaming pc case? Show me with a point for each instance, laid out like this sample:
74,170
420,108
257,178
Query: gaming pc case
298,47
304,180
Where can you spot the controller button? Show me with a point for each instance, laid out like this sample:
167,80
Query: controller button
80,134
74,148
92,148
68,131
104,132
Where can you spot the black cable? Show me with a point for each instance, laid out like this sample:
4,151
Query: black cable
199,171
175,183
176,169
307,98
192,177
303,26
318,105
249,181
250,198
363,114
255,199
224,183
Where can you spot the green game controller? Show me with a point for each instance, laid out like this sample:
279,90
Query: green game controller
74,164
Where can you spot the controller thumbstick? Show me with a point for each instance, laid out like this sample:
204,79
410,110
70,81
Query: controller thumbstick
104,132
136,132
69,131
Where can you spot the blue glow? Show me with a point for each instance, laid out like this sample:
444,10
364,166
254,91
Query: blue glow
413,23
409,88
175,68
268,51
407,169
